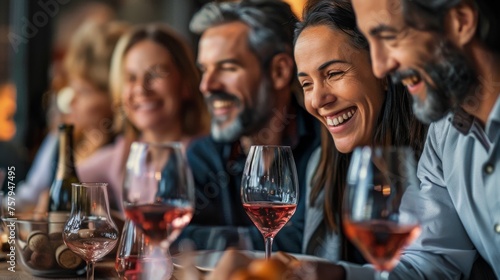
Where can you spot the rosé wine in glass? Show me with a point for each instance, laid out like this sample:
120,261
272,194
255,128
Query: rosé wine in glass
158,197
269,218
377,217
269,189
89,231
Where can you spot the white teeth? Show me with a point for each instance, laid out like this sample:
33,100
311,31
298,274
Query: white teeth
411,81
340,119
217,104
147,106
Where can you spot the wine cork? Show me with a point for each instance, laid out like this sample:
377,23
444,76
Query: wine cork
86,233
56,239
67,258
55,236
27,254
42,259
57,221
38,241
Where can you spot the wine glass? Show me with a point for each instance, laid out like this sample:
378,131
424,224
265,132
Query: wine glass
132,261
158,194
89,231
377,216
269,189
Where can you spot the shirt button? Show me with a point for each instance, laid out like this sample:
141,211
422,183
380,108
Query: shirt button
497,228
489,168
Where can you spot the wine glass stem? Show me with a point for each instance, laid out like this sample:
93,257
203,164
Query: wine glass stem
269,247
382,275
90,270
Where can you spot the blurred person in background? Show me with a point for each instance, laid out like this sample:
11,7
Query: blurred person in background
248,81
154,82
12,156
87,104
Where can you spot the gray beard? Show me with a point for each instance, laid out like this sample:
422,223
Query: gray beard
228,134
249,120
432,108
454,78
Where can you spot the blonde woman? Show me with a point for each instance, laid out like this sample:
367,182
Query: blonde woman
154,81
90,107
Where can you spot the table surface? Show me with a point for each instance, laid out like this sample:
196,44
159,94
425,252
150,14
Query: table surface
103,271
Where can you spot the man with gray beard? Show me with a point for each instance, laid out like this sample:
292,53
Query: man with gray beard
248,81
447,53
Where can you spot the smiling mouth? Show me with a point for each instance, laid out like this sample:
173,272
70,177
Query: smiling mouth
146,106
341,118
410,78
222,104
411,81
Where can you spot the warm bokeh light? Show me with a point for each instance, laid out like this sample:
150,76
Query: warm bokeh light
7,111
297,6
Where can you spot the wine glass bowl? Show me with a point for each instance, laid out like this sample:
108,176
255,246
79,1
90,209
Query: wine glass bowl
90,232
133,256
158,197
377,217
158,190
269,189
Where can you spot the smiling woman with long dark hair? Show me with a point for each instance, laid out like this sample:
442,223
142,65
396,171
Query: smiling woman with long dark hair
355,107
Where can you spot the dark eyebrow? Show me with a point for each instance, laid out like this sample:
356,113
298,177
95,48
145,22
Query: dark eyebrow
382,28
323,66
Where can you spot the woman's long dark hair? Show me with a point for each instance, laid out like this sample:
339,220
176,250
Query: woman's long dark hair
395,126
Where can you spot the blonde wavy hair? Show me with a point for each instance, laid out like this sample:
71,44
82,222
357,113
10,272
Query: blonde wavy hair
195,119
90,51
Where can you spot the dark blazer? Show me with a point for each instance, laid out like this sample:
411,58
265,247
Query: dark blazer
217,170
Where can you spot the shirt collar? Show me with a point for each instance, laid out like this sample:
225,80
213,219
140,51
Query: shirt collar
495,113
461,120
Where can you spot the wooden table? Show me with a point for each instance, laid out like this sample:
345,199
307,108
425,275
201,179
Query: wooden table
103,271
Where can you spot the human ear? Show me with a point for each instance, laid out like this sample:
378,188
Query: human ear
281,70
462,23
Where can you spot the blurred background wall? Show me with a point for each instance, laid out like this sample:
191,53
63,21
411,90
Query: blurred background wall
34,36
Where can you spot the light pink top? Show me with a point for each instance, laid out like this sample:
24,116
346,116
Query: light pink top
107,166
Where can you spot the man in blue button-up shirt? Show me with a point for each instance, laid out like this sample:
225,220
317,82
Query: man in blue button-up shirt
447,53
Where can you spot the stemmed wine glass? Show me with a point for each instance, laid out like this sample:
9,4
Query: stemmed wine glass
89,231
377,215
269,189
158,197
132,260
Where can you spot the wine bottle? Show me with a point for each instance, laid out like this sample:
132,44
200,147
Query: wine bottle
60,191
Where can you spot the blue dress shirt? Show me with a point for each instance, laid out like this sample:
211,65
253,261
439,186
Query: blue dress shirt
459,200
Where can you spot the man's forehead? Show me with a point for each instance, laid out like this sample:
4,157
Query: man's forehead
231,31
225,37
373,13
